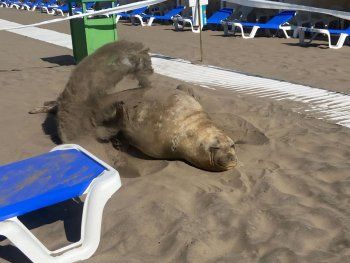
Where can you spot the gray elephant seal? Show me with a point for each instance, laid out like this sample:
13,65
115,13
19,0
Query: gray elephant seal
162,122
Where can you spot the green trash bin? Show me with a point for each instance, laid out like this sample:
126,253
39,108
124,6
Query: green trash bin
91,33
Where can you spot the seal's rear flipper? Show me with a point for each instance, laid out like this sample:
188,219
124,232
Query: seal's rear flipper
49,107
189,90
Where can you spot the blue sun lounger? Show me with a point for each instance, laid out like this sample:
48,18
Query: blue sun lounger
63,9
15,4
33,5
219,16
342,34
68,171
10,3
278,22
49,6
129,15
166,17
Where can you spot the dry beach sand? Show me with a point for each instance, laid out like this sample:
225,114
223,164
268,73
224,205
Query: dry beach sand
287,201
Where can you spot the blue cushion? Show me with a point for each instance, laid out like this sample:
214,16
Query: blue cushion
274,22
44,180
339,31
169,15
220,15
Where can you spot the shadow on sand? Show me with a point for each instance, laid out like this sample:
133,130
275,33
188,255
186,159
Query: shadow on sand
64,60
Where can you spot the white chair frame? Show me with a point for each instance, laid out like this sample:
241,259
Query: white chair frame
316,32
255,29
98,193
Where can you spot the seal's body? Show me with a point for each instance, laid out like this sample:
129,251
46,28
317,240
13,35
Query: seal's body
170,124
160,121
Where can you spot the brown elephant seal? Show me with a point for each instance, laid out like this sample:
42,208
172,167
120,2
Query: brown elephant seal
168,123
162,122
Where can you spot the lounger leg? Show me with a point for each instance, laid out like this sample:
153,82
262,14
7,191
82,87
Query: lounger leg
24,240
285,33
150,21
340,42
100,190
140,19
252,33
192,28
117,18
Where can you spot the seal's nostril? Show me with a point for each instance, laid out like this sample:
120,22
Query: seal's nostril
233,158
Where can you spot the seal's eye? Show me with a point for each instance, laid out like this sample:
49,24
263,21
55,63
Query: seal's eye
214,148
233,146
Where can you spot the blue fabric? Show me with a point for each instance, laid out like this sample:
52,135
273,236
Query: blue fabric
220,15
274,22
65,8
48,4
134,12
36,3
169,15
339,31
27,2
44,180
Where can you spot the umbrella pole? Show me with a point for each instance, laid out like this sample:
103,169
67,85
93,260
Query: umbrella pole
200,30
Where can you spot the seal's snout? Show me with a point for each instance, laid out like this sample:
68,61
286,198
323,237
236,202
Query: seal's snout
227,161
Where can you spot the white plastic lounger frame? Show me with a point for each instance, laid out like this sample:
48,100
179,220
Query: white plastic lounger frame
58,11
14,5
25,7
45,9
98,193
316,32
255,29
138,17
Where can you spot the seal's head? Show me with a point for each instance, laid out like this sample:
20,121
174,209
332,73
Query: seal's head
222,154
215,152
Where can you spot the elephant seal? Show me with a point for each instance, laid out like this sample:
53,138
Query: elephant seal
162,122
168,123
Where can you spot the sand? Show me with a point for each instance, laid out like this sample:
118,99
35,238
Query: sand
287,201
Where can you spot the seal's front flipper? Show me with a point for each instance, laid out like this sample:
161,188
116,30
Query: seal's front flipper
107,121
49,107
189,90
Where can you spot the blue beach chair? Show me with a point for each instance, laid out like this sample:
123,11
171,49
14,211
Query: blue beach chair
166,17
63,9
219,16
48,7
79,10
24,4
16,4
278,22
341,33
129,15
68,171
8,3
33,5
